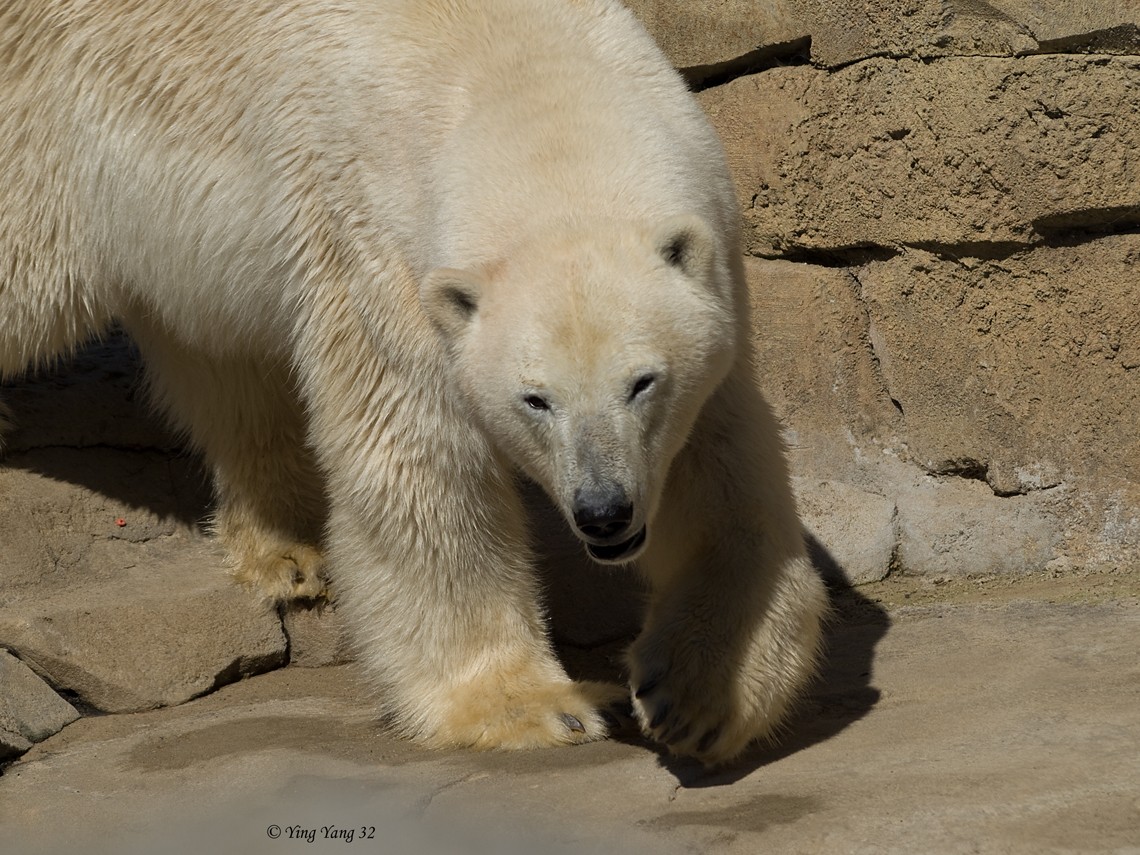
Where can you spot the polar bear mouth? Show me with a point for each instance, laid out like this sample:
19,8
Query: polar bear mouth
618,553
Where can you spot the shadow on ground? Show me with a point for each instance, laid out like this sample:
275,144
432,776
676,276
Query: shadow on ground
85,422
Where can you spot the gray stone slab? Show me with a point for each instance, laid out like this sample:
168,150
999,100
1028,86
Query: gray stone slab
30,710
155,633
858,529
952,527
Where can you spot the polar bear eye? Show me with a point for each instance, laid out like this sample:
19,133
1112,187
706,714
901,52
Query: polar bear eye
536,402
644,382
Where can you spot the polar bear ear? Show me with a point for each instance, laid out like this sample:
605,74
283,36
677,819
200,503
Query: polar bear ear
450,298
685,242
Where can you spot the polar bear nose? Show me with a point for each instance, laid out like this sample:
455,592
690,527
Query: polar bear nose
602,513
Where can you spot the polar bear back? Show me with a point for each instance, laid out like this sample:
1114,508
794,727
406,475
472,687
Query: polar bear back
187,146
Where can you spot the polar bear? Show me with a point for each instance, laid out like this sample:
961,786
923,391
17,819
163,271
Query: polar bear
442,244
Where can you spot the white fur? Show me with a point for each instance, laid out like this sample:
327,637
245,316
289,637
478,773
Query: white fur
264,190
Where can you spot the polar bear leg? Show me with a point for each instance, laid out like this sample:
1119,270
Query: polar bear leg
428,550
441,602
733,628
244,418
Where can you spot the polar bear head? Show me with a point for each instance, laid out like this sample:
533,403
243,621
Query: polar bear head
586,355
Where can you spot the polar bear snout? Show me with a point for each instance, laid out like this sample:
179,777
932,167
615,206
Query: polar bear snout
602,514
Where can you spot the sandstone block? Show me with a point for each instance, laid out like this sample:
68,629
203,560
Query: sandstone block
1093,26
699,34
843,33
816,365
951,156
1023,371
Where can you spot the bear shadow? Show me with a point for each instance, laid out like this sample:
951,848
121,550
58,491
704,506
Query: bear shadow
596,613
85,421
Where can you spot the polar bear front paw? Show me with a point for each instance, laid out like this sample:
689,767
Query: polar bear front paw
292,572
497,712
705,709
691,723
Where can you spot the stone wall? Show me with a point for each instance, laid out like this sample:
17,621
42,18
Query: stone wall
942,219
